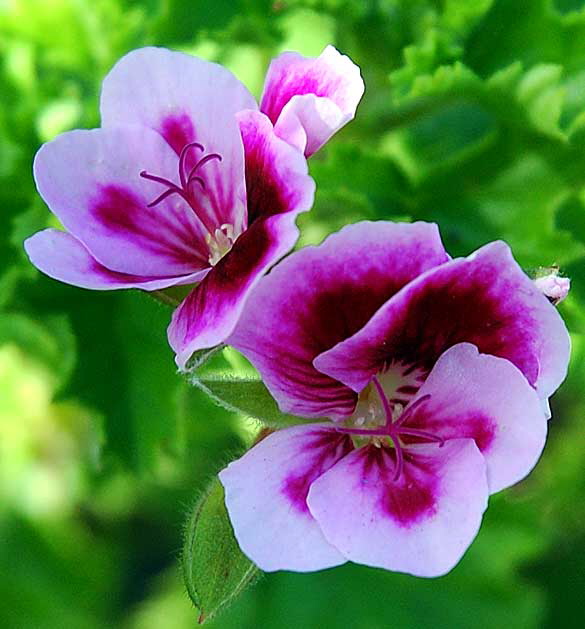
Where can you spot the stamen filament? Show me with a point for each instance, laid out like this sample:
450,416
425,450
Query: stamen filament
163,196
393,430
182,158
362,432
165,182
204,161
423,434
184,190
399,459
384,400
409,411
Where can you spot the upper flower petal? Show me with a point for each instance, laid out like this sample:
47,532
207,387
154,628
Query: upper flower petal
278,189
91,181
321,295
185,99
266,492
422,523
485,299
61,256
309,99
485,398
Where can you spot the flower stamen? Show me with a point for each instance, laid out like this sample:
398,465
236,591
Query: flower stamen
184,190
394,428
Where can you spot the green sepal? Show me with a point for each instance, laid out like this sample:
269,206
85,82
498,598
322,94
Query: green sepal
247,396
214,568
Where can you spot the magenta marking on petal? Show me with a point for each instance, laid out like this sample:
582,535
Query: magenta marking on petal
410,499
177,130
121,212
307,85
328,448
408,389
483,430
266,194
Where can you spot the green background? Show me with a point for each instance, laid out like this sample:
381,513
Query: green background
474,117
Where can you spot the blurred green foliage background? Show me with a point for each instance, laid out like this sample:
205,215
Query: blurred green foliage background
474,117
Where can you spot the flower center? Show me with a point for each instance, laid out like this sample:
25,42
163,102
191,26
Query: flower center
219,240
395,420
220,243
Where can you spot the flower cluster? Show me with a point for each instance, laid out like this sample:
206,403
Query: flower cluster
188,182
426,378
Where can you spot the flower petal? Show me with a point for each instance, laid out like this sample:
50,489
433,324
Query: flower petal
421,524
91,181
210,312
308,100
487,399
186,99
61,256
485,299
277,179
279,188
321,295
266,491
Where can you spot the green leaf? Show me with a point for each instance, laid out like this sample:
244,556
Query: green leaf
247,396
214,568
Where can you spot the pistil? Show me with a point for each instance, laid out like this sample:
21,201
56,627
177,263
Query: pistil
393,428
187,179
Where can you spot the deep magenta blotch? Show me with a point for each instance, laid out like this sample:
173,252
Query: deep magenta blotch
407,500
178,130
326,449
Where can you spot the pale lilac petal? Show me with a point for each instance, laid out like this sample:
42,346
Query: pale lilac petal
61,256
487,399
421,524
485,299
265,495
309,99
185,99
321,295
278,189
91,181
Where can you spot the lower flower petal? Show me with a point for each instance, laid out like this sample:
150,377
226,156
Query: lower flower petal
210,312
487,399
421,524
61,256
266,491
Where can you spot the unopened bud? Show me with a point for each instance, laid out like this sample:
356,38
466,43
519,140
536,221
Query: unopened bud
553,287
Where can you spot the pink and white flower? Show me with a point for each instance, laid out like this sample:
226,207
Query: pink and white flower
434,375
187,182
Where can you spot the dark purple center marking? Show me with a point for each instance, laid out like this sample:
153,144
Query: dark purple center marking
409,501
393,430
187,178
